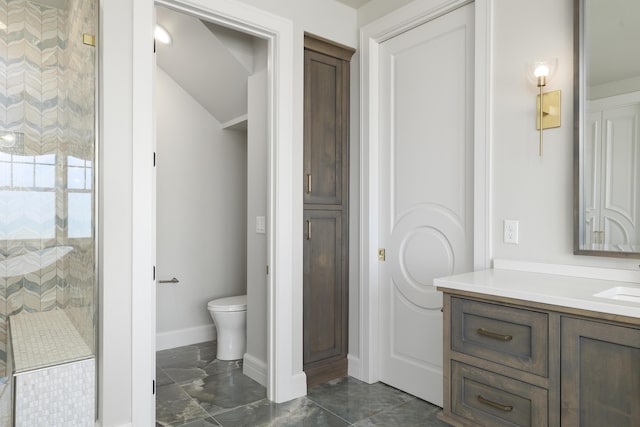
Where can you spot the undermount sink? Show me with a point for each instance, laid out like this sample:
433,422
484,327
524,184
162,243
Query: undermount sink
620,293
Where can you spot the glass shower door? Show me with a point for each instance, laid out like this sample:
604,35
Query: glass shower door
48,282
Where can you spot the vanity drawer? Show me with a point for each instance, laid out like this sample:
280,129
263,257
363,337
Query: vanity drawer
489,399
509,336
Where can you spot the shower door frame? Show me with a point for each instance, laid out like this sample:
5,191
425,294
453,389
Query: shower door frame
285,378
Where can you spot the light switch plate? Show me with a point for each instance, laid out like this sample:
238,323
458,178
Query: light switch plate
260,225
511,231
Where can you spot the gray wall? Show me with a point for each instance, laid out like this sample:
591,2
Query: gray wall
257,206
201,205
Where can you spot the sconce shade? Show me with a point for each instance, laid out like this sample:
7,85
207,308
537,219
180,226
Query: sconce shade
541,71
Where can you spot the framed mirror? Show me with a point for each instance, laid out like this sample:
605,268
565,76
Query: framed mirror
607,128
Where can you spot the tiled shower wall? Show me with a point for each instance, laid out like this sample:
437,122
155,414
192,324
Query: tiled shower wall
47,96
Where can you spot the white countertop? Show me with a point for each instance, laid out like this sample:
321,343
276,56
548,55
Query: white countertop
565,291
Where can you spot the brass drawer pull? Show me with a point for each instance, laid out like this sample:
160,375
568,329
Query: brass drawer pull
504,408
483,331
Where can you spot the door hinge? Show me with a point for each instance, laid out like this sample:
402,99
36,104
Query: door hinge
89,39
381,254
153,387
154,272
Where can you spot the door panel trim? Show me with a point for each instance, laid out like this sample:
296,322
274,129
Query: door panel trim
365,364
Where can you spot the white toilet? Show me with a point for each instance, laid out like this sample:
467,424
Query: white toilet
230,317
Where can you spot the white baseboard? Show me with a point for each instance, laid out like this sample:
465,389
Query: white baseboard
295,387
255,369
354,368
188,336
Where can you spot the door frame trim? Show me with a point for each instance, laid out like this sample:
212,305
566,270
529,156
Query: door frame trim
367,367
285,378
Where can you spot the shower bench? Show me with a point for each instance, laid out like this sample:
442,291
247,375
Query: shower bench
53,371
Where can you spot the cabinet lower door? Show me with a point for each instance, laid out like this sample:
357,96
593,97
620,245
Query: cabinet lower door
600,374
325,296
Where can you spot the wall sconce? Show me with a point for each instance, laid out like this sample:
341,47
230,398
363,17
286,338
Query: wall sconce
547,103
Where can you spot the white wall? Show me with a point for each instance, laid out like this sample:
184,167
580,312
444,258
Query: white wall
115,216
257,177
376,9
613,88
354,215
201,203
536,191
327,18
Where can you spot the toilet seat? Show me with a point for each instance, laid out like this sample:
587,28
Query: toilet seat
237,303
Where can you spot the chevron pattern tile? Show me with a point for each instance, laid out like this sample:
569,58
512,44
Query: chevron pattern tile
47,101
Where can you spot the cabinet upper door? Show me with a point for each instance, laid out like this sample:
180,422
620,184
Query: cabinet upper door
326,104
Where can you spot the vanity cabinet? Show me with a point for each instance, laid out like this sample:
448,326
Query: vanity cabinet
600,374
510,362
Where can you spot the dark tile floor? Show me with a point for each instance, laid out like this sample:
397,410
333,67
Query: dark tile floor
196,390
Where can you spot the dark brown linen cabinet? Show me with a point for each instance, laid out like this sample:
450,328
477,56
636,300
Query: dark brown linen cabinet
326,209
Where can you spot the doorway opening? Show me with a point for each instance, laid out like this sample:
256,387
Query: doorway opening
285,379
211,103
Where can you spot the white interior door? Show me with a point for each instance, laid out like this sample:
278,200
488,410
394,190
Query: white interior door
621,157
426,192
612,153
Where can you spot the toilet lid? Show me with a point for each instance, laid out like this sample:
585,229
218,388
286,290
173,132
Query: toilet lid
238,303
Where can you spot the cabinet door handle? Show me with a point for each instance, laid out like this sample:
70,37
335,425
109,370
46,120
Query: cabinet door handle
308,229
308,183
505,408
501,337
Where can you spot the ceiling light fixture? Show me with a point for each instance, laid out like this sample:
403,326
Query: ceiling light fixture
162,35
10,139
